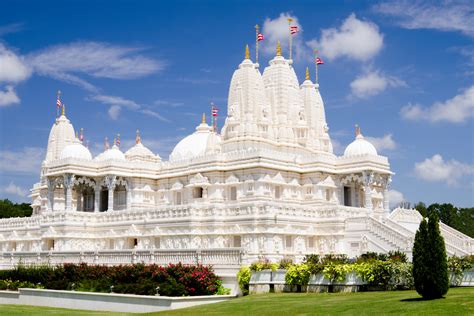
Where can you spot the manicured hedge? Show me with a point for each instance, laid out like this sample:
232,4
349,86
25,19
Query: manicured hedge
172,280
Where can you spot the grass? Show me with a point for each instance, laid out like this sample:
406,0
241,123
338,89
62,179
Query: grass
459,301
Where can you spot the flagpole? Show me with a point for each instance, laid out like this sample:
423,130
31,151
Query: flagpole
289,32
316,64
256,43
58,99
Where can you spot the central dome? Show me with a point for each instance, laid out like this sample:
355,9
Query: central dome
196,144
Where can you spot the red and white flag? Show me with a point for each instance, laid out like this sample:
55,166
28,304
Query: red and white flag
215,111
293,29
260,37
58,103
319,61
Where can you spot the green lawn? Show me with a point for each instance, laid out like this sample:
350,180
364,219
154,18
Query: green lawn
459,301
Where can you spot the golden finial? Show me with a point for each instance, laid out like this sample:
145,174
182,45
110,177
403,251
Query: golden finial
63,110
77,135
357,130
278,49
307,74
115,141
137,138
247,52
203,120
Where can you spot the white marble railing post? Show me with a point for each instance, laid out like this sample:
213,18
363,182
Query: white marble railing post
110,182
51,185
68,182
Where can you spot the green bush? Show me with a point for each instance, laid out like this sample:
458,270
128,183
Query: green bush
457,265
264,264
336,272
243,277
298,274
430,266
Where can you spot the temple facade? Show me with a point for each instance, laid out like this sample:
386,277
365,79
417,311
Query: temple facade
267,185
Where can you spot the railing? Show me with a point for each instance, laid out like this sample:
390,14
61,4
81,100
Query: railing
219,257
392,235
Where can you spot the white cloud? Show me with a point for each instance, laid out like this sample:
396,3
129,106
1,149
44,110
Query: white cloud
114,112
12,67
27,160
155,115
440,15
8,97
373,83
14,189
383,143
278,30
395,197
115,100
436,169
96,59
11,28
355,39
455,110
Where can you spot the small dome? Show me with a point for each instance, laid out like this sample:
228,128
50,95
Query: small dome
140,152
360,146
77,151
113,153
195,144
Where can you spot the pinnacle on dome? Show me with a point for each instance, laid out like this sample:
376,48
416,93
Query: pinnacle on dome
203,119
357,130
247,52
278,49
63,110
307,74
137,137
106,144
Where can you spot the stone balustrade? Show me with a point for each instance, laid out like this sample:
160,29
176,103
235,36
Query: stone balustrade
219,258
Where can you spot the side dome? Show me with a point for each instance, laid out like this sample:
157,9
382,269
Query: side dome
140,152
360,146
113,153
76,151
193,145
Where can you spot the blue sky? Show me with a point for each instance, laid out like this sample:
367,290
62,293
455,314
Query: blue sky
402,70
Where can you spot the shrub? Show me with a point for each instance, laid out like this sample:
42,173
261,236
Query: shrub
263,264
457,266
298,274
430,267
243,277
398,256
336,271
285,263
334,258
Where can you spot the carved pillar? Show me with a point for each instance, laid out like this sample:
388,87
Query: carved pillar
68,182
51,185
97,187
128,187
110,182
386,200
368,180
79,197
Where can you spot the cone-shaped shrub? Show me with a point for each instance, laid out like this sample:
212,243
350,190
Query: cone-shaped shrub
420,269
430,267
438,265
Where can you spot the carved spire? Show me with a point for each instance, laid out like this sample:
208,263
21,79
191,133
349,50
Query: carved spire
247,52
357,130
307,74
278,49
137,137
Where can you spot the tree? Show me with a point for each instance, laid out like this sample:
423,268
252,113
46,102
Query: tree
430,265
8,209
420,269
421,208
438,261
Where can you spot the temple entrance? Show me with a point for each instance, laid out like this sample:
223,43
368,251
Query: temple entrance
104,200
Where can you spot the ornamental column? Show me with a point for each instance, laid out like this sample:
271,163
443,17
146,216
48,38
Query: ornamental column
97,188
110,182
386,199
68,180
79,197
51,186
128,187
368,180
